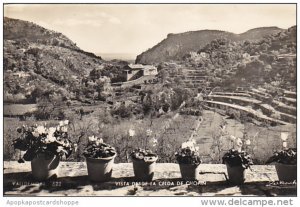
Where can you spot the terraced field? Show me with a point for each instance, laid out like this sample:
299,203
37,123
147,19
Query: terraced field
259,104
272,111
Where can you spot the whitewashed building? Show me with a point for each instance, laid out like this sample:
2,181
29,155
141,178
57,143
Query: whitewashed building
135,71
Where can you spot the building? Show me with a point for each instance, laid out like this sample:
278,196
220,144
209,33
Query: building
135,71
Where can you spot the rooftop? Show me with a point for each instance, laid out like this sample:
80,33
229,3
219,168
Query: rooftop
140,66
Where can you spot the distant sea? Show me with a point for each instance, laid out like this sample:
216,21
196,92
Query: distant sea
120,56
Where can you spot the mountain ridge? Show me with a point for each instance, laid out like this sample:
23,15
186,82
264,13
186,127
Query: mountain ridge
175,46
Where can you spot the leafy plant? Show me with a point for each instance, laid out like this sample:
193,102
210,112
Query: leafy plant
236,158
287,156
39,139
143,154
97,149
188,154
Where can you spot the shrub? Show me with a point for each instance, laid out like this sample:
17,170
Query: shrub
237,158
188,154
122,111
97,149
143,154
288,156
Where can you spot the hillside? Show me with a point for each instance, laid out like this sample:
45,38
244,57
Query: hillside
37,57
19,30
227,64
248,81
175,46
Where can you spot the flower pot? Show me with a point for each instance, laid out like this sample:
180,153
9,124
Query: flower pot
236,174
286,173
144,170
189,172
100,169
43,166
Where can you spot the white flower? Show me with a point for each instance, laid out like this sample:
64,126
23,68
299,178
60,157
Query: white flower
238,144
61,123
50,138
58,128
190,144
193,141
154,141
41,130
232,138
131,132
196,149
284,136
67,144
248,142
148,132
66,122
99,141
75,147
51,130
35,134
284,144
64,129
59,149
184,145
92,139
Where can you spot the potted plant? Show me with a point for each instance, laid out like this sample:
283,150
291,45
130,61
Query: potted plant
285,164
99,158
285,161
189,160
237,161
144,160
44,147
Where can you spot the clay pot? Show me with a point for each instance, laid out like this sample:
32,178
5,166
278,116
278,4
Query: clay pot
236,174
100,169
189,172
286,173
43,166
144,170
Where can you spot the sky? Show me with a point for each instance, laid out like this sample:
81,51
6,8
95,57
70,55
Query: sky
133,28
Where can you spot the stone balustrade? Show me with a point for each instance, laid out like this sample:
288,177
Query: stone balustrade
72,180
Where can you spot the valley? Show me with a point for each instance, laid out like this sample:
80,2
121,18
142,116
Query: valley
245,83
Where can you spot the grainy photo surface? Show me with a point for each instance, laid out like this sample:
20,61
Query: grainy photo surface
149,100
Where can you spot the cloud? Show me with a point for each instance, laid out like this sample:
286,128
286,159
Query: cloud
78,22
114,20
89,19
110,18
